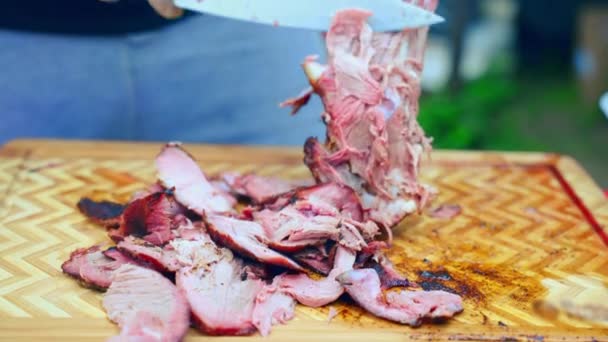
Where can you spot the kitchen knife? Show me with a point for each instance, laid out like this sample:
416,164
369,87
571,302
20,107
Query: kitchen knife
387,15
604,104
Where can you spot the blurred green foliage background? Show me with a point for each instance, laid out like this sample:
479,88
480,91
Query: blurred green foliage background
534,112
523,76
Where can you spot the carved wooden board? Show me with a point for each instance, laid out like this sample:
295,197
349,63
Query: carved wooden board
530,222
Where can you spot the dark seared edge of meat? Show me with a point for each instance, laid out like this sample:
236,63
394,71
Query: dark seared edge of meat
105,213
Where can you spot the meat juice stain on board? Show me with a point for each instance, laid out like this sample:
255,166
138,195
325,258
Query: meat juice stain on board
480,285
458,266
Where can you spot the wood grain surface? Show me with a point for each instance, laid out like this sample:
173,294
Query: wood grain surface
529,252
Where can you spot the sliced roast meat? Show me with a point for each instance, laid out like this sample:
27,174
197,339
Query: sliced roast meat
94,267
141,300
224,190
317,259
313,215
256,270
290,230
389,276
227,295
141,327
163,259
333,195
405,307
260,189
247,238
105,213
316,293
370,90
196,252
373,257
192,245
222,301
151,218
272,307
177,170
323,199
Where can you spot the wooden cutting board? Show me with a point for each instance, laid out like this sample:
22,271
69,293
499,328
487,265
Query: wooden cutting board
531,239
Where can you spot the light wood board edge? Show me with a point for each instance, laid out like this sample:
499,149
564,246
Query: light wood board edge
305,331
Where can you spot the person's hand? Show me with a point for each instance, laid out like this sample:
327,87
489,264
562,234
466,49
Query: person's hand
164,8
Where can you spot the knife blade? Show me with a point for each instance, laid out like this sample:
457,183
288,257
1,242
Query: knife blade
387,15
604,104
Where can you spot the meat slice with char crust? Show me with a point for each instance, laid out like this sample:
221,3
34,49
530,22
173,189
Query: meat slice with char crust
316,293
150,218
318,258
405,307
247,238
146,305
162,259
373,257
105,213
177,170
94,267
260,189
370,90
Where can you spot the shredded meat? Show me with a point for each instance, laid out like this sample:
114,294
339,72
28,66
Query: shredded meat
313,215
370,89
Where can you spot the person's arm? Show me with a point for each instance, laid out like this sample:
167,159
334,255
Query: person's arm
165,8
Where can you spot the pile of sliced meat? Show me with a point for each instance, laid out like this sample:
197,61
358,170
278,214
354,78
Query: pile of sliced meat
184,256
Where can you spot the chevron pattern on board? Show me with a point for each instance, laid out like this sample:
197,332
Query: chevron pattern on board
518,227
